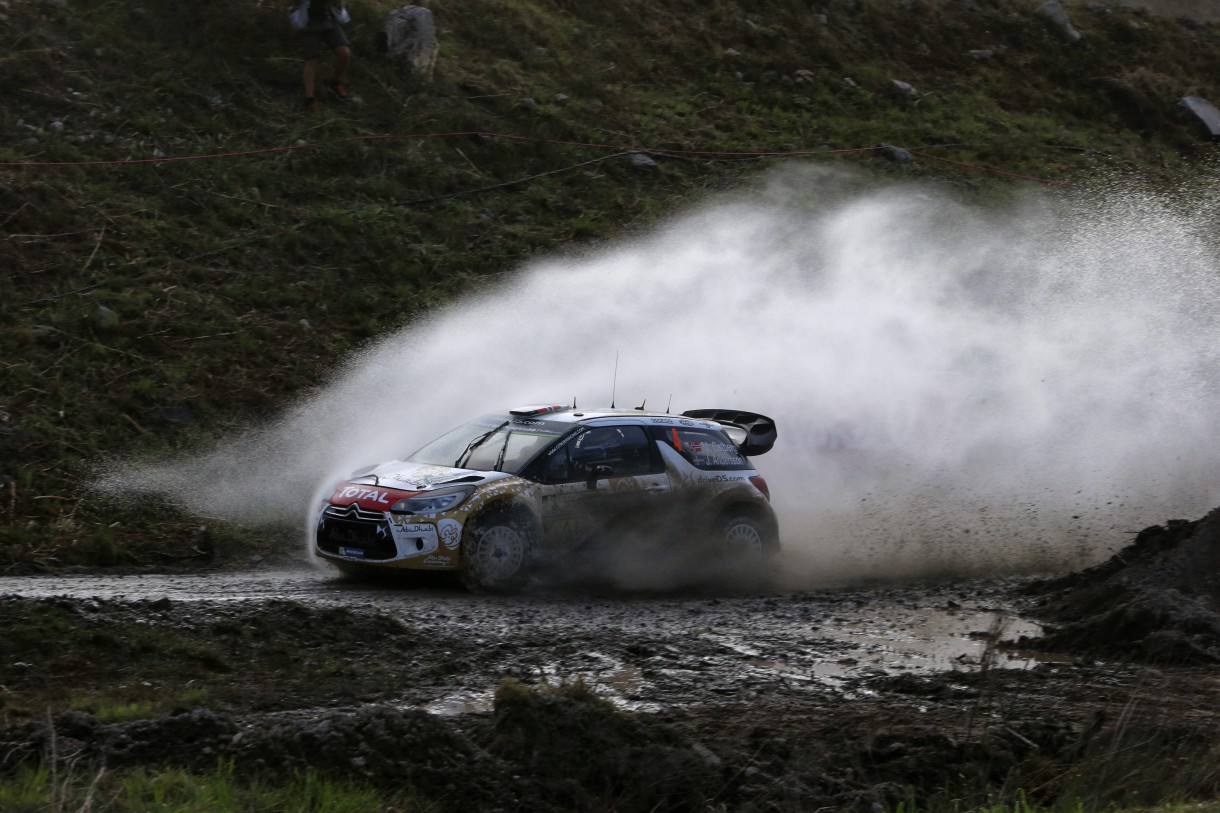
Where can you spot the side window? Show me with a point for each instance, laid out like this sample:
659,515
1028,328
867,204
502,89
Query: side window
625,449
704,449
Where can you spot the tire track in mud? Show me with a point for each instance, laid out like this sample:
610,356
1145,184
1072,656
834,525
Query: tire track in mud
643,651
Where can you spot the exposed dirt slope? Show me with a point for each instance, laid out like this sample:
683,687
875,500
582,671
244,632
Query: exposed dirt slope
1157,599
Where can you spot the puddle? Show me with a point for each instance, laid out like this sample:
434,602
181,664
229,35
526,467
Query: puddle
454,705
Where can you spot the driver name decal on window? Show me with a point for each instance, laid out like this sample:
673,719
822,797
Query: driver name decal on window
705,449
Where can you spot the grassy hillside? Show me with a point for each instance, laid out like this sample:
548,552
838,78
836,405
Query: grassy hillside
150,305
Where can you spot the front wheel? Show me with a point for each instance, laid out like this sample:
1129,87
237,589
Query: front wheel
496,552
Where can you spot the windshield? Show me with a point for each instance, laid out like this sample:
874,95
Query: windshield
491,444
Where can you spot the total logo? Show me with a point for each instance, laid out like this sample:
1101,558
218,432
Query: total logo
357,493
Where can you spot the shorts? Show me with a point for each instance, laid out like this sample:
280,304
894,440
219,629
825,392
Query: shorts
313,37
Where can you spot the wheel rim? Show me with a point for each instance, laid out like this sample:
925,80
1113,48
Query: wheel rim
500,552
743,537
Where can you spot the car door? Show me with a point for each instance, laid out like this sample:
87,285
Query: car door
601,479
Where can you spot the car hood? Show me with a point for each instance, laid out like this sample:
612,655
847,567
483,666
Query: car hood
406,476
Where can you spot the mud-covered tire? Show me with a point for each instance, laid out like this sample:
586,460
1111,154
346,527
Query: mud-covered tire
743,537
497,550
747,547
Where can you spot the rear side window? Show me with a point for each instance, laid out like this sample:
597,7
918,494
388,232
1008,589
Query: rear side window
703,448
624,449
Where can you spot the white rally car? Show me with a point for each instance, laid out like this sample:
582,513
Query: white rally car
502,495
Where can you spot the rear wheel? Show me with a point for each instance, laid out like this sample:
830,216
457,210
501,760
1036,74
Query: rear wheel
746,547
743,536
496,551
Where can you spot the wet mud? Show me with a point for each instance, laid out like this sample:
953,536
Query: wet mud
1156,600
857,697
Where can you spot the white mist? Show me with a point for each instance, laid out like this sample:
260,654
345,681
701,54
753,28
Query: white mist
958,389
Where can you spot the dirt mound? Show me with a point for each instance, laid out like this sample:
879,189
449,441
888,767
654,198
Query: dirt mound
583,753
1157,599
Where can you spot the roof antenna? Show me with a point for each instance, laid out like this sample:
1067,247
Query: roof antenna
641,406
671,400
614,385
573,402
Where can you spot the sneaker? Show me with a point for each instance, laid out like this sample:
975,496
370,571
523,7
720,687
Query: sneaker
339,89
313,106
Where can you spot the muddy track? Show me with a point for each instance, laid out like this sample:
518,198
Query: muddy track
844,698
642,651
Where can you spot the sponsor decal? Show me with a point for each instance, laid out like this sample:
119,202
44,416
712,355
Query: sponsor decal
343,534
361,494
414,538
415,529
424,477
451,532
438,560
721,478
351,553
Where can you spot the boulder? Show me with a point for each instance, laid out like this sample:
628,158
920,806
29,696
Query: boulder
1054,13
409,38
1204,111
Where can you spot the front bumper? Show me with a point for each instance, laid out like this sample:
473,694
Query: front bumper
355,534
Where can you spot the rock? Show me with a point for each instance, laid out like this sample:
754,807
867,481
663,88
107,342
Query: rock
982,53
409,38
175,414
894,153
639,159
706,754
1204,111
1054,13
12,435
904,88
731,52
849,82
561,98
105,318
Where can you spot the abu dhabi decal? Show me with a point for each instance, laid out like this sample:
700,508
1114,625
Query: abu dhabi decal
414,538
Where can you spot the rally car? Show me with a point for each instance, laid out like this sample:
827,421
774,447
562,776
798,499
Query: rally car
504,494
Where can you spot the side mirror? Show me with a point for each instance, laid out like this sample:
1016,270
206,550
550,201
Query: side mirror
595,473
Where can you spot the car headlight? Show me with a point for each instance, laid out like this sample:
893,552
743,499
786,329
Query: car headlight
433,502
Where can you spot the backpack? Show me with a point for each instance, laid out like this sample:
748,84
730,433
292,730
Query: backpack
317,12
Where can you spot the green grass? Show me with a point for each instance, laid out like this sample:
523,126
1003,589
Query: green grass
44,790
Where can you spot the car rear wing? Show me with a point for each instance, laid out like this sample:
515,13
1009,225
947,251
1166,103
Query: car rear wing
754,434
